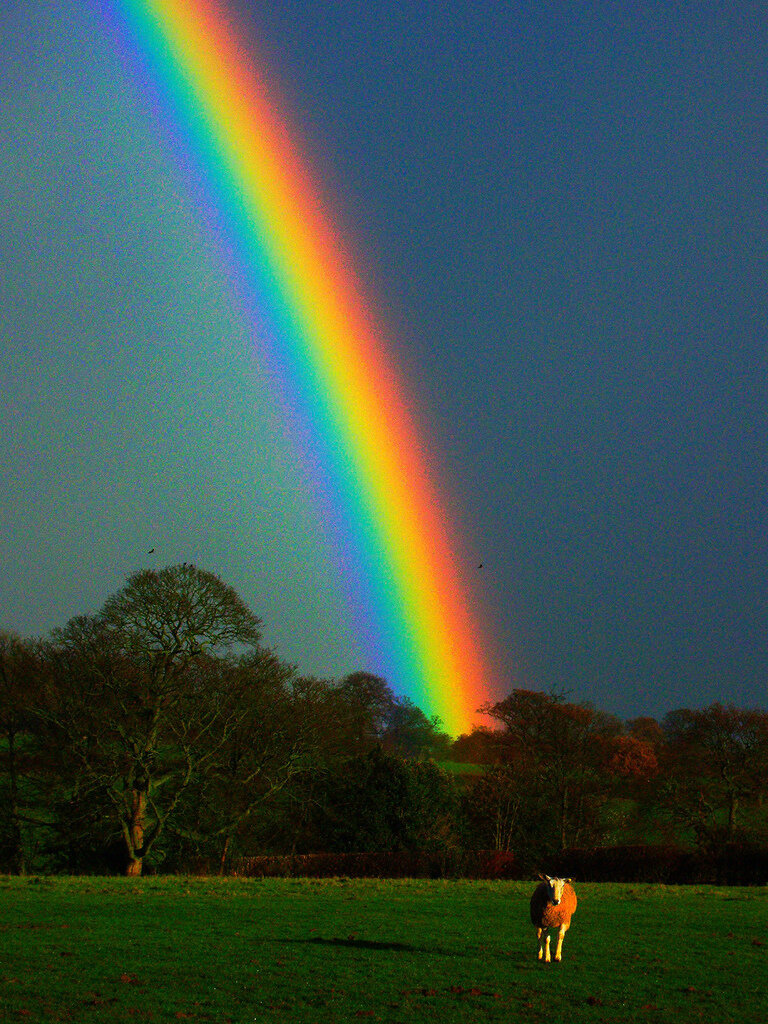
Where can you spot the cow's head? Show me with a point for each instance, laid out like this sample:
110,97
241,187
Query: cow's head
555,887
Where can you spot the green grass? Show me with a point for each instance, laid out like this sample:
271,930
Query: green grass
306,951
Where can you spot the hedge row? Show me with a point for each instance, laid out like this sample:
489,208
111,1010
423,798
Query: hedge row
728,864
399,864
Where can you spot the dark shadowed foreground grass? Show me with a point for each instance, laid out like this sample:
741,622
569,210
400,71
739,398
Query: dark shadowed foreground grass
169,949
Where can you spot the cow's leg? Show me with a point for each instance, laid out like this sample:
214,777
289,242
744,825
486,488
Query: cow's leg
560,936
540,932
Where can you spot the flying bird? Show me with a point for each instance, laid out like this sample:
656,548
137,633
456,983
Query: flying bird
151,551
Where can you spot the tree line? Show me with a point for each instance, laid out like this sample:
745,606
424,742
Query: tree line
562,775
161,733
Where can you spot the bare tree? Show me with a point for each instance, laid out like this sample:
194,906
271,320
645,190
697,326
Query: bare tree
495,807
559,748
262,740
365,707
132,699
717,757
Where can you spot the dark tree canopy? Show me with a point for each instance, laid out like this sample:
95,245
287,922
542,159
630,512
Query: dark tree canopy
179,612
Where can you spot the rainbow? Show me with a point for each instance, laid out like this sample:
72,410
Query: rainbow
309,314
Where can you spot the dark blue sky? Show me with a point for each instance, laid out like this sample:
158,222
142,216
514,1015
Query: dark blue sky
561,210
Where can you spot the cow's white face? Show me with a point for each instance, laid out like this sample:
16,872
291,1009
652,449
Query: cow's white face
555,886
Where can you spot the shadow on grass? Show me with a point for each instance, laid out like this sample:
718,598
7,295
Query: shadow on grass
352,942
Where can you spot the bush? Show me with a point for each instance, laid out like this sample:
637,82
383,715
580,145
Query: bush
379,802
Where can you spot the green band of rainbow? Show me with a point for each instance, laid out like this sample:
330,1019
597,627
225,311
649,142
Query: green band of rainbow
307,307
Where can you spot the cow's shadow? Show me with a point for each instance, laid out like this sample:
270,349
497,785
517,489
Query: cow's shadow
352,942
355,943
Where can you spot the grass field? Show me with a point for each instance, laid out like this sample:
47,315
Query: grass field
306,951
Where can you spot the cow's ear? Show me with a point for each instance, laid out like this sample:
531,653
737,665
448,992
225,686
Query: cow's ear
542,877
567,881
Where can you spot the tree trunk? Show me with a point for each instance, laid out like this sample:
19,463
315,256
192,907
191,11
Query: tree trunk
563,816
224,853
136,832
18,858
732,808
134,866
